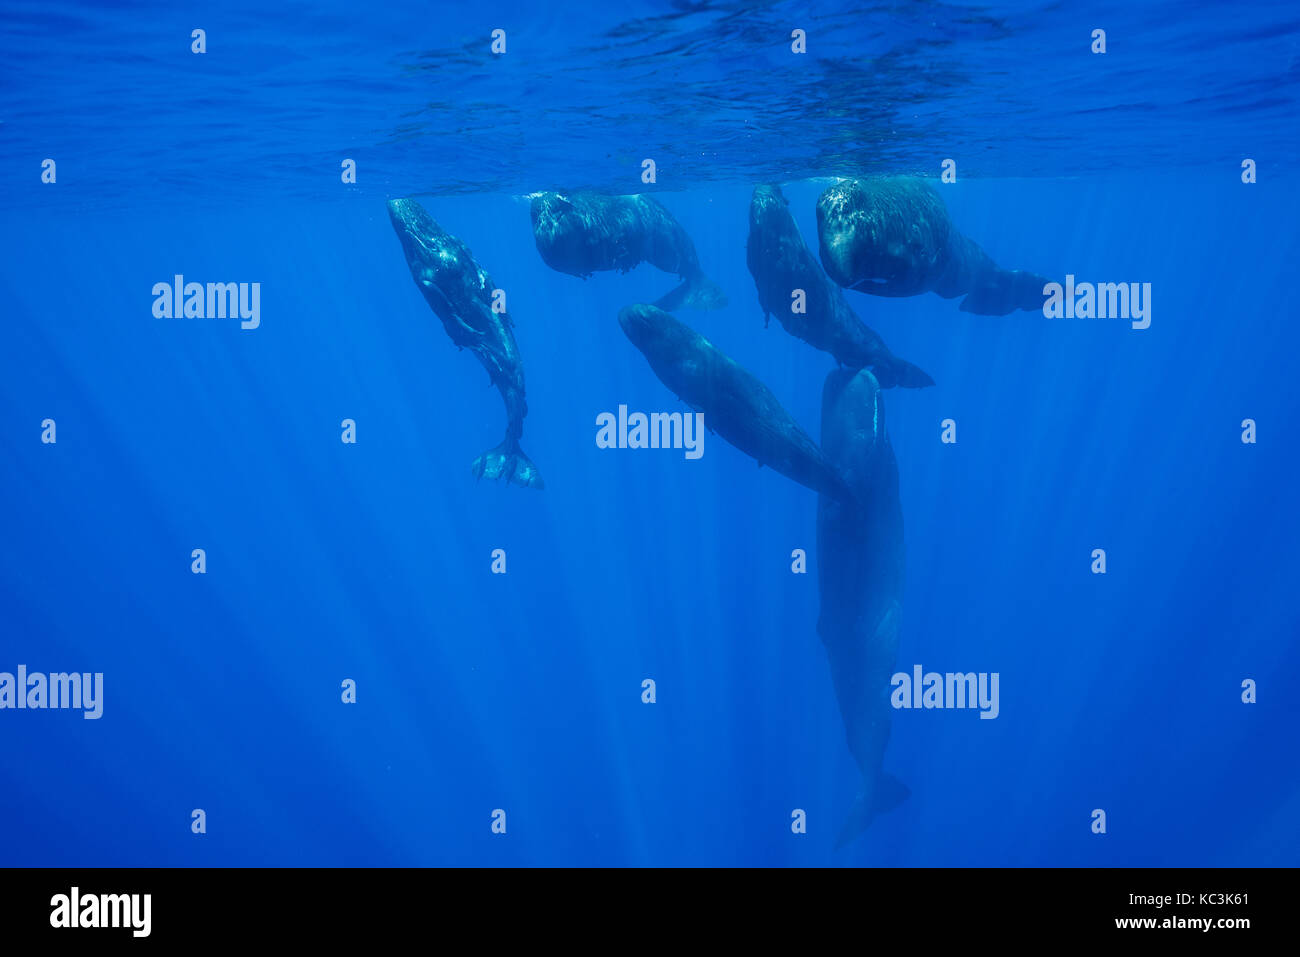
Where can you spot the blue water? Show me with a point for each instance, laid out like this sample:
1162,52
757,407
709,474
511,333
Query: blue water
371,562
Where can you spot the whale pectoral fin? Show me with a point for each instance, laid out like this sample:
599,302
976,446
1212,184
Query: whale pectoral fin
468,329
447,312
433,291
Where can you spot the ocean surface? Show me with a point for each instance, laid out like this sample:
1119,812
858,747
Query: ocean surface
371,561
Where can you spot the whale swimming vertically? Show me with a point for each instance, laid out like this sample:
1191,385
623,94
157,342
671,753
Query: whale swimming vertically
459,291
860,582
780,263
892,236
736,405
583,233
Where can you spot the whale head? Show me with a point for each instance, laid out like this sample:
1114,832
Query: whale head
768,207
887,236
418,232
409,216
657,334
644,325
562,233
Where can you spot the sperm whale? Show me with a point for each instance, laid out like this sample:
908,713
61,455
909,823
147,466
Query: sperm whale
459,291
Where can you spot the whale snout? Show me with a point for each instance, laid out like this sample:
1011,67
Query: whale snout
561,234
553,213
649,328
400,209
636,323
410,219
768,199
768,209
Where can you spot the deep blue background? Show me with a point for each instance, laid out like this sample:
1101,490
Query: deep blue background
328,561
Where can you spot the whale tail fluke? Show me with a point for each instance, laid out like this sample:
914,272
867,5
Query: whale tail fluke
508,461
888,793
998,292
900,372
698,292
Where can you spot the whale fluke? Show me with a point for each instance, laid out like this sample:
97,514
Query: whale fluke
900,372
508,461
1002,291
888,793
699,292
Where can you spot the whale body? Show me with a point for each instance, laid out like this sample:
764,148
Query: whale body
584,233
860,582
892,236
736,404
459,291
